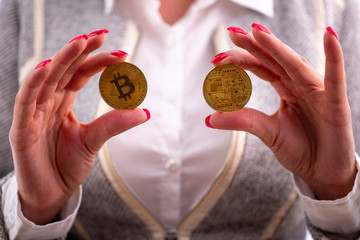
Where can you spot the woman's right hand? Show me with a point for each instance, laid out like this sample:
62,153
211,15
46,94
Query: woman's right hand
53,152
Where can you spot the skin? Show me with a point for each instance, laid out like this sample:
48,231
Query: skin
50,146
311,132
172,11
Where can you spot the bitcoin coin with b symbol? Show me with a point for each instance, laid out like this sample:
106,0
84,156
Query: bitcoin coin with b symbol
123,86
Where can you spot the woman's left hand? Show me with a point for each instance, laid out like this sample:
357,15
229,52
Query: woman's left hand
311,132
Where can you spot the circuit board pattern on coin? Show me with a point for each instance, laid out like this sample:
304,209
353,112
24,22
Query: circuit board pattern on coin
227,88
123,86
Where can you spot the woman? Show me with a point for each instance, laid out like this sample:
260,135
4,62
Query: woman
172,177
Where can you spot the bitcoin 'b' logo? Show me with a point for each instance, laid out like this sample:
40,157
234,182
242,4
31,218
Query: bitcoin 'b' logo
123,86
127,85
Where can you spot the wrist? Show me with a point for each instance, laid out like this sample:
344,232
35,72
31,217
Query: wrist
336,187
331,192
41,212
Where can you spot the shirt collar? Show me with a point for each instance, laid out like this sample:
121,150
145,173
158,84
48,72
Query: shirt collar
265,7
109,5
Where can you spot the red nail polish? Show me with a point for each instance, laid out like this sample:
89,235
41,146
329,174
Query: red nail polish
119,53
260,27
79,37
329,29
43,63
237,30
97,32
148,115
219,57
207,121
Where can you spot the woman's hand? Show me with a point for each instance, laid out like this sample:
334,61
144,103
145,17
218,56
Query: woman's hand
53,152
311,133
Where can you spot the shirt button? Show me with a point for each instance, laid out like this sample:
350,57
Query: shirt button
171,165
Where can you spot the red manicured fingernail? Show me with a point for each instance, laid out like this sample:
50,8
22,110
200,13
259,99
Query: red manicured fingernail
329,29
79,37
148,115
207,121
260,27
119,53
43,63
237,30
219,57
97,32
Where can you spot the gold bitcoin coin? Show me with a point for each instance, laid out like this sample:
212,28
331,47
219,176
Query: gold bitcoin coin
123,86
227,88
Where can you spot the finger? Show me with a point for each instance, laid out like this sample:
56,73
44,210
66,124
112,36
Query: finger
245,40
25,102
296,67
61,62
250,120
335,79
111,124
246,61
94,64
95,40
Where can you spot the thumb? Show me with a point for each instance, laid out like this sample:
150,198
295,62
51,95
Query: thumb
250,120
111,124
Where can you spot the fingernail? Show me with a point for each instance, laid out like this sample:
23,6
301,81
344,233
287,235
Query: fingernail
119,53
237,30
207,121
97,32
329,29
219,57
148,115
260,27
43,63
79,37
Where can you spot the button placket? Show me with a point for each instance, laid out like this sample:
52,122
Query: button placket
171,39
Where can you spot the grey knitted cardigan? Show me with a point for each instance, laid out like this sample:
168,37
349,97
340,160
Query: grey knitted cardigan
253,197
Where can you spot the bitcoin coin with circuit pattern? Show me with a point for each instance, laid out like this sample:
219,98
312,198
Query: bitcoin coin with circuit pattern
227,88
123,86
